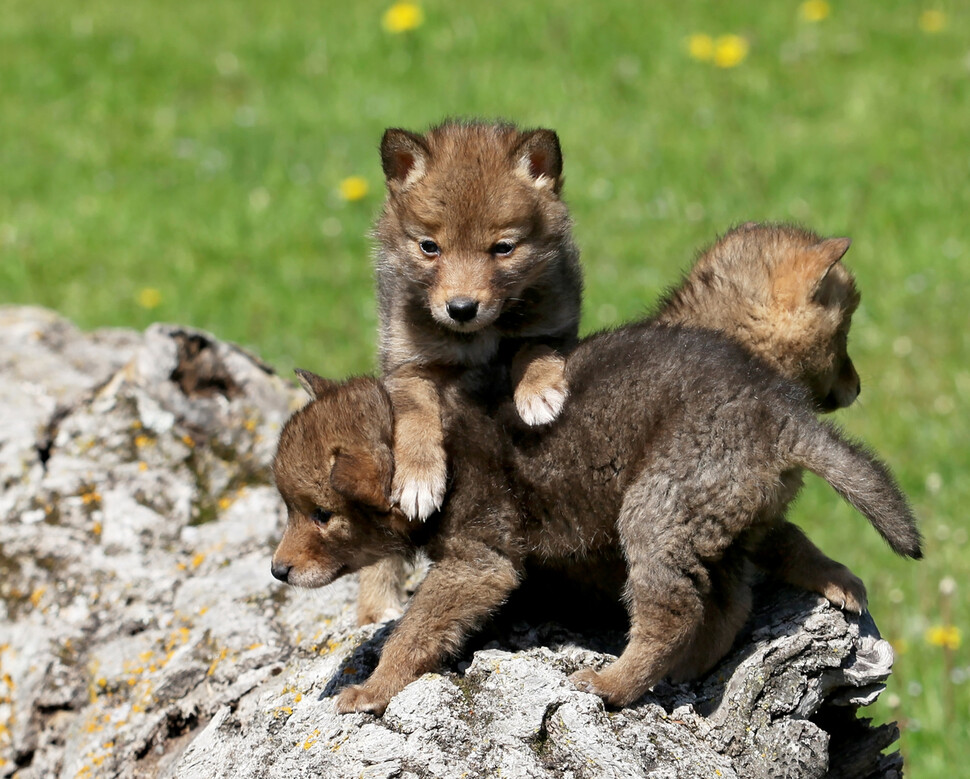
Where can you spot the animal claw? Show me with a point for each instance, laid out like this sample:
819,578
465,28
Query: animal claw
419,499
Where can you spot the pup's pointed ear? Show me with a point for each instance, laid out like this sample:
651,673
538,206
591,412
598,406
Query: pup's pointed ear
316,386
830,252
801,279
363,476
539,156
404,157
833,249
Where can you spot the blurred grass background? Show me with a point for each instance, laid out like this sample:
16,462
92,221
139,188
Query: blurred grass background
188,162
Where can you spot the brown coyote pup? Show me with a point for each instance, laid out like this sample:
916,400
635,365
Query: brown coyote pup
476,268
674,445
783,294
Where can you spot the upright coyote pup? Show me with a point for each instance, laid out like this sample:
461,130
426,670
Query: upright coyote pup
476,269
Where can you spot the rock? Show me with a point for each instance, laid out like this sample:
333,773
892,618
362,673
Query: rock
142,633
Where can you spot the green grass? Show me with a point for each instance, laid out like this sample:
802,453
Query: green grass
196,149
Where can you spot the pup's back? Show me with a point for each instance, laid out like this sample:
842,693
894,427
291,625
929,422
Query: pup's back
641,395
688,405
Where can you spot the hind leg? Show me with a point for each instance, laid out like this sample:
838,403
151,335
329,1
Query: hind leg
665,610
786,552
726,609
663,592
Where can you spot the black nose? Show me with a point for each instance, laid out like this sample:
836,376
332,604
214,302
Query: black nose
462,309
281,572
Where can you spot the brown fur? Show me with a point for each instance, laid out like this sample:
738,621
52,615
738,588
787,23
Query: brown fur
673,447
783,294
468,188
470,191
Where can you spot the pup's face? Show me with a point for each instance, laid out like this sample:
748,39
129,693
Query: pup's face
801,306
823,361
473,216
333,468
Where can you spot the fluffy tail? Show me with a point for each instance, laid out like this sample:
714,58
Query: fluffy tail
863,481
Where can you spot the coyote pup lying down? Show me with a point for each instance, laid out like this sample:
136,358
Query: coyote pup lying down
674,445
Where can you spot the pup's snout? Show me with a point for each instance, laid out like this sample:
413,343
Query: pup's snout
281,571
462,309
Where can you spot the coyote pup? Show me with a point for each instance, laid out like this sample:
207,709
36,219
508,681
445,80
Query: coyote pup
476,268
674,445
783,294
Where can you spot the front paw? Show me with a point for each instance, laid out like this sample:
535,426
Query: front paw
419,488
540,406
358,698
588,680
377,615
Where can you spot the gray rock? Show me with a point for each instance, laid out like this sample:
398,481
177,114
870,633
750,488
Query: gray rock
142,634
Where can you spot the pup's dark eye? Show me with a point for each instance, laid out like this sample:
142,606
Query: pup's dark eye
429,247
320,516
503,248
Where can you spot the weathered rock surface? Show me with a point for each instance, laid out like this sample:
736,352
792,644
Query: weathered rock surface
141,633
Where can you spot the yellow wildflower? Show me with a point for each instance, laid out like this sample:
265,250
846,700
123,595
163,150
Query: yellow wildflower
149,297
701,47
932,21
730,50
402,17
814,10
944,635
353,188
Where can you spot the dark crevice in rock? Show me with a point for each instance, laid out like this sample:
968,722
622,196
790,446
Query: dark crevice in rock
200,371
45,444
24,759
853,741
170,733
540,741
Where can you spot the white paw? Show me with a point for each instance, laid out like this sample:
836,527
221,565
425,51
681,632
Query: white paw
420,498
540,409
